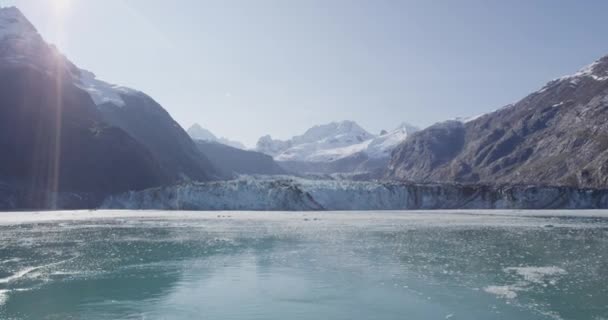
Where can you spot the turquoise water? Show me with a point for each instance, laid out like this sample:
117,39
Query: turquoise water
241,265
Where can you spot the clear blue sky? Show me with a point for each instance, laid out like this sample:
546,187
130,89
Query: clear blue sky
248,68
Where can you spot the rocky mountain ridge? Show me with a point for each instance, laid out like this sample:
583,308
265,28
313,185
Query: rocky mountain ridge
557,136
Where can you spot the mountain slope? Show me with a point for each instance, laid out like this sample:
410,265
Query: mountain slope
132,111
146,121
230,161
197,132
555,136
51,135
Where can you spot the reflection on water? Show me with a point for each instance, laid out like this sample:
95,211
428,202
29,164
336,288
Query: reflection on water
306,266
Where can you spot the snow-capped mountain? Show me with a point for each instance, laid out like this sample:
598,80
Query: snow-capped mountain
22,45
197,132
335,147
334,141
314,142
377,147
53,138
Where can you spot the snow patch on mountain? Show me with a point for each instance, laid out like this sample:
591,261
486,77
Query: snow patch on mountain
23,44
593,71
597,71
102,92
383,145
470,118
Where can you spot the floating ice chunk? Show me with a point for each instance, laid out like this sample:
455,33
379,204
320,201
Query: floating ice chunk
536,274
507,292
18,275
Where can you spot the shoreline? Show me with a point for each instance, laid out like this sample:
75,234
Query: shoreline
25,217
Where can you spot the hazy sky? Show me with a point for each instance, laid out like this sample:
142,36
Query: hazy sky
247,68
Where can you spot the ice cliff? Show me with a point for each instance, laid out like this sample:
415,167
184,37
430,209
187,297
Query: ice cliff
288,193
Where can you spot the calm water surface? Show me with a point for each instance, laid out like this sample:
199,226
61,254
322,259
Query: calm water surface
241,265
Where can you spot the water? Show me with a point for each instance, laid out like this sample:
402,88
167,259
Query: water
239,265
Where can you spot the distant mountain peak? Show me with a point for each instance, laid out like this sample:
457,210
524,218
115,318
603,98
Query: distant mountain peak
334,141
408,128
334,131
197,132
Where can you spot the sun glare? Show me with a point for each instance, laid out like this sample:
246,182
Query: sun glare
61,5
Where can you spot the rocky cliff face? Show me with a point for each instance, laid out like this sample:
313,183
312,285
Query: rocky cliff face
555,136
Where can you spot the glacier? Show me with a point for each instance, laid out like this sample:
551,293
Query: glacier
293,193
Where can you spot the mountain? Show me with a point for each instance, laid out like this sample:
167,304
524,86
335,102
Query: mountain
557,135
149,123
63,130
315,142
52,136
231,161
338,147
377,147
197,132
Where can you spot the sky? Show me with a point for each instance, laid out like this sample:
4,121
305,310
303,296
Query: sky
244,69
